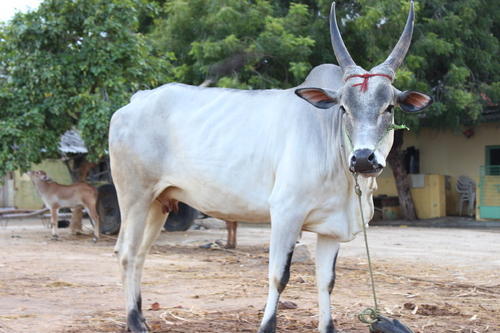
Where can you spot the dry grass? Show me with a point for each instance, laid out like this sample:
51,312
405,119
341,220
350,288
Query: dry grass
413,294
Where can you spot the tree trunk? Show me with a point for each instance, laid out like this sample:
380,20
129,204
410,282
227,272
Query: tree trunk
395,160
79,170
76,220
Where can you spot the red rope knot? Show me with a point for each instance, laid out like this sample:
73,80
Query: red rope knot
364,85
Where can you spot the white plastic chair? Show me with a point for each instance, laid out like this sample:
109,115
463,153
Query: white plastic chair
466,187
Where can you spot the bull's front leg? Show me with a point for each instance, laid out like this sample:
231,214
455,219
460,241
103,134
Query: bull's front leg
326,257
284,234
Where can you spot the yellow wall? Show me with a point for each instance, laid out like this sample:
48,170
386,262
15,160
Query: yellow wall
26,196
386,184
448,153
430,200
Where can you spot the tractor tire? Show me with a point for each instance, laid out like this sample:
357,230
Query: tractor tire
182,220
108,209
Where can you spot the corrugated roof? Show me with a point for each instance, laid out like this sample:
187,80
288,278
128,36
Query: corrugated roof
72,143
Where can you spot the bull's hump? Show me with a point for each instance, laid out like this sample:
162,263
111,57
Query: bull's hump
327,76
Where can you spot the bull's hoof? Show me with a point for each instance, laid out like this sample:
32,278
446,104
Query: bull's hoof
54,237
136,322
330,328
269,327
95,239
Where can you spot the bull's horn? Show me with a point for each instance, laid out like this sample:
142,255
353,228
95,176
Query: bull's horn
343,57
398,54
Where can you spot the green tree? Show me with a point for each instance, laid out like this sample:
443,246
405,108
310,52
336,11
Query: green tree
454,54
70,64
241,44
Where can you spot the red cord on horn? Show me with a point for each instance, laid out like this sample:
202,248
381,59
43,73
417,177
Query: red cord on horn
364,85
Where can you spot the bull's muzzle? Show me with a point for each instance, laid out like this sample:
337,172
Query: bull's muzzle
364,161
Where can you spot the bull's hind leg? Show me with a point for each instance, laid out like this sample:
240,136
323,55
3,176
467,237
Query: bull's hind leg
284,234
326,257
140,227
154,224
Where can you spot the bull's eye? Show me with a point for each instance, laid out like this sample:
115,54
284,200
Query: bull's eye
342,109
389,109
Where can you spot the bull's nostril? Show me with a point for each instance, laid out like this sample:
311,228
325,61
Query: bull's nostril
371,158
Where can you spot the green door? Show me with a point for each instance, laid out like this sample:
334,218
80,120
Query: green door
489,184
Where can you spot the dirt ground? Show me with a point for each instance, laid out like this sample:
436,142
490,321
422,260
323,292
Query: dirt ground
433,280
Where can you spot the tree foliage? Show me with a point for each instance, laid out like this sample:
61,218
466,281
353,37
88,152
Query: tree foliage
73,63
70,64
243,44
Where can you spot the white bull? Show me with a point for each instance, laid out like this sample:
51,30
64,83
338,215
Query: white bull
263,155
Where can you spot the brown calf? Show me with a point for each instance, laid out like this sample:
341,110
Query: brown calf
56,196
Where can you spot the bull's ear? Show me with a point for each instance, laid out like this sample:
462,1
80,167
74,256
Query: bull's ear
413,101
320,98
